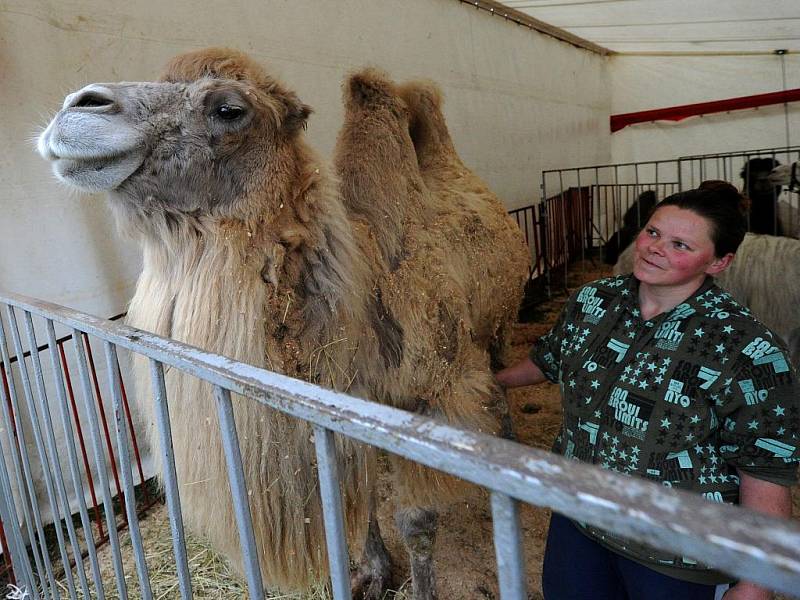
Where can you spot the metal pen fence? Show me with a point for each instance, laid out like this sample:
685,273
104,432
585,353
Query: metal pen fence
582,208
746,168
99,536
741,542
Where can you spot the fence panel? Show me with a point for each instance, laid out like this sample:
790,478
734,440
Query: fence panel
741,542
599,208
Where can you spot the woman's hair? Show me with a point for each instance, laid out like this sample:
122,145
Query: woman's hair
722,206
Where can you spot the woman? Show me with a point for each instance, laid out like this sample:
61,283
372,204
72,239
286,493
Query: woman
667,377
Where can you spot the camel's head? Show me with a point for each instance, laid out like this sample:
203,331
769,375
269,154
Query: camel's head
211,131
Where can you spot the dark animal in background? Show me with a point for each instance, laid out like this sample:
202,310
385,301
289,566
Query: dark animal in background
632,222
763,195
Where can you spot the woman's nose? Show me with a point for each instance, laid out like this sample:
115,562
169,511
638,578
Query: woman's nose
656,246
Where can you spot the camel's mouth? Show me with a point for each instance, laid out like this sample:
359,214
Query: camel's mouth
93,159
96,174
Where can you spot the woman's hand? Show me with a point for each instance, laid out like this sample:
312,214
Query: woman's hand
524,372
744,590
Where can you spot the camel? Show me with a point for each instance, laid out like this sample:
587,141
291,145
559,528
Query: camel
787,175
394,278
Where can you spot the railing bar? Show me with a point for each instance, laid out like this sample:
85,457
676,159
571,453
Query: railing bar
21,556
60,340
170,478
766,549
544,237
637,191
4,548
56,492
325,445
77,420
132,430
563,213
599,208
508,547
21,567
75,471
9,424
241,507
129,497
582,217
26,387
104,420
97,447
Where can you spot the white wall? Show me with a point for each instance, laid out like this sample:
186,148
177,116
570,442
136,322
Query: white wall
516,101
649,82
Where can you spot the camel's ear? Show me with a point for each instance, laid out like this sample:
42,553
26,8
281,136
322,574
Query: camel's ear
296,113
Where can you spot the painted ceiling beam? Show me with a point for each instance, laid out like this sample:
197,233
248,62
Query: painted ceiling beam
684,111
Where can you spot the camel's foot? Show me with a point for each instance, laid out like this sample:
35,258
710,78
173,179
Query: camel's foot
372,578
417,527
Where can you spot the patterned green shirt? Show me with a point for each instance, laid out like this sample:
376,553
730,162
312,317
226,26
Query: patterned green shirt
685,399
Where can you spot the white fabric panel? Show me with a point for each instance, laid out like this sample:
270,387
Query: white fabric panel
637,26
516,101
644,83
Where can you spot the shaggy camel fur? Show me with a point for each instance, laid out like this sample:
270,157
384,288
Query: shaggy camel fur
250,251
439,231
765,277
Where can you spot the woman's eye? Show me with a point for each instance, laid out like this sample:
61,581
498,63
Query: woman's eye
651,232
229,112
681,246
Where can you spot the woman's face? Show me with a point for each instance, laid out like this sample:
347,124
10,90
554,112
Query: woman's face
675,249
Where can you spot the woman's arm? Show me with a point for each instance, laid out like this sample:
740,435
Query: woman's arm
764,497
524,372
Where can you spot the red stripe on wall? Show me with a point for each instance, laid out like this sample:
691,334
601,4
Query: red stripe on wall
678,113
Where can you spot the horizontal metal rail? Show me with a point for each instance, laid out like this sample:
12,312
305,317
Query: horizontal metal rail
743,543
755,152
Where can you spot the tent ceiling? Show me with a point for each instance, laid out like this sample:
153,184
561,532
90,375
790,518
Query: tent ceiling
667,26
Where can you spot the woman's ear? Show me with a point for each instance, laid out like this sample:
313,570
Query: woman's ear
720,264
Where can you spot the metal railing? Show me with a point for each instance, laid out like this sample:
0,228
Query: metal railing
582,208
100,538
741,542
735,167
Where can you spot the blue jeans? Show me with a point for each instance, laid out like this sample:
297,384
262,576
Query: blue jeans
578,568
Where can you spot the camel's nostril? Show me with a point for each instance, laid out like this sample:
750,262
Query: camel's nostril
91,100
91,97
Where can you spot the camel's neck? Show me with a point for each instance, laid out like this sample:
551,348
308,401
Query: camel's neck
266,291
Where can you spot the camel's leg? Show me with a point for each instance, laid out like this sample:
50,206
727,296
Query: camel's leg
417,527
372,577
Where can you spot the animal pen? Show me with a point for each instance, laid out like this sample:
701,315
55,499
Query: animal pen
582,208
741,542
93,475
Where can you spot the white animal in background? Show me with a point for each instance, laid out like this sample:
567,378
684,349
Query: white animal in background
788,175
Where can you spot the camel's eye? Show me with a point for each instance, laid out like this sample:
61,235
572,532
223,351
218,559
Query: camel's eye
229,112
